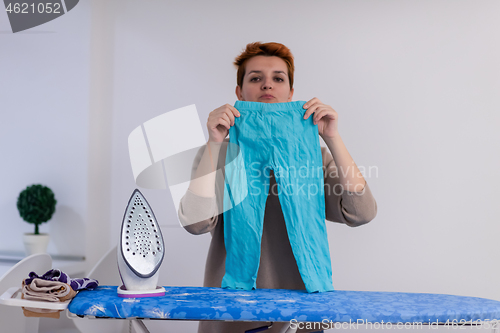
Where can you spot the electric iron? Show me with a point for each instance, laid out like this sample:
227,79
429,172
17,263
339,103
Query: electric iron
140,250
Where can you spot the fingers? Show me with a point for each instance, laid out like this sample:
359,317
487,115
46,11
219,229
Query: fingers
318,115
226,119
229,115
311,102
220,121
224,116
312,109
311,106
229,112
225,123
234,110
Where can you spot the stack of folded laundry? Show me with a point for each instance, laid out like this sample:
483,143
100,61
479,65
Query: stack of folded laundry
53,286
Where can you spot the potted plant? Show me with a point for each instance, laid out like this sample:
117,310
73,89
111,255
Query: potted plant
36,204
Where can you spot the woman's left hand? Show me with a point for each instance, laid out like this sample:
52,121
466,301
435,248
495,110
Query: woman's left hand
324,116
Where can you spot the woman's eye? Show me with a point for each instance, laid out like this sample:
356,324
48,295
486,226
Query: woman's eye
256,78
279,79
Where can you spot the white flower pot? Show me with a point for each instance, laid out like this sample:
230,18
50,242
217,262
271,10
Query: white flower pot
35,243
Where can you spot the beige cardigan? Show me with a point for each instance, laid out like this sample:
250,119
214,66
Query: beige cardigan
277,269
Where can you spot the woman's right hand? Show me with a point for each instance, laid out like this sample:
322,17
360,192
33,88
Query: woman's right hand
219,121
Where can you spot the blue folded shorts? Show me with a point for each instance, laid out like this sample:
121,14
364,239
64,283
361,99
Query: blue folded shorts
274,136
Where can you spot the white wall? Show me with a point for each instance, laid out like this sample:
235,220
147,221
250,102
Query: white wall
44,103
415,84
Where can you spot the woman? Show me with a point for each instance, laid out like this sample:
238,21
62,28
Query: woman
265,74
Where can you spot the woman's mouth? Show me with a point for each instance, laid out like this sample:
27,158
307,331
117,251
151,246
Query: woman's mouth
267,96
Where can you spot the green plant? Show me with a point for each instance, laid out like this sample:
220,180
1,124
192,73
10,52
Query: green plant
36,204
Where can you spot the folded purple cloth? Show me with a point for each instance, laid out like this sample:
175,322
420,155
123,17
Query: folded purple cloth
58,275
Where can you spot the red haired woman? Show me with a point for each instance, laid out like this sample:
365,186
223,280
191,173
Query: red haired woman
265,74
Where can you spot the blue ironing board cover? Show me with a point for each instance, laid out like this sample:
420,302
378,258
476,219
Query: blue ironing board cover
283,305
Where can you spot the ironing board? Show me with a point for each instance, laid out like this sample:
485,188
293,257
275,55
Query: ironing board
282,305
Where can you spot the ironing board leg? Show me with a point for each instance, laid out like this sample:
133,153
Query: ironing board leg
284,329
288,329
259,329
138,326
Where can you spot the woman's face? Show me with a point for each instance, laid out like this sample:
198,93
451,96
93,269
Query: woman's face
266,80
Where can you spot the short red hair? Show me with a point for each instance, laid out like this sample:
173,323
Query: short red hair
265,49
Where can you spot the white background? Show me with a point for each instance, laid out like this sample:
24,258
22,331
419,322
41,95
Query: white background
415,83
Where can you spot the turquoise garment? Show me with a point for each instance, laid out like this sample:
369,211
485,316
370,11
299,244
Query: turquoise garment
275,136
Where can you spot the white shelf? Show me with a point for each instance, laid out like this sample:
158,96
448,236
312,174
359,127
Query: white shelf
74,268
12,297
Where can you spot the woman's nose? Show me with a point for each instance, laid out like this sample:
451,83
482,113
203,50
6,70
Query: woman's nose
267,84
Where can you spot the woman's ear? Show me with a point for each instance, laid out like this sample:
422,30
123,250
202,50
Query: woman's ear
238,93
290,95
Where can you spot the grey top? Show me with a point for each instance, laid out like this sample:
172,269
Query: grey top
277,269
